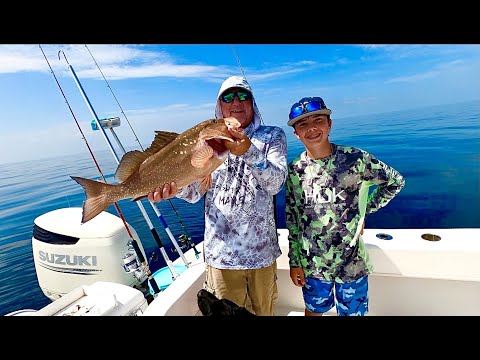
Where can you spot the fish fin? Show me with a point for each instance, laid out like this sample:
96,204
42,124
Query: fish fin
97,199
130,162
201,156
205,184
162,139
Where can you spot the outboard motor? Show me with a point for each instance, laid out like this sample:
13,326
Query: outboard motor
68,254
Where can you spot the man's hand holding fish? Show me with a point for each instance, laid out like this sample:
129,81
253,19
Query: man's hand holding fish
241,142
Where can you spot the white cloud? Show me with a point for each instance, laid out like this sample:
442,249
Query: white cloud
437,71
119,62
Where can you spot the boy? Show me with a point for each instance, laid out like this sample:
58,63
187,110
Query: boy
326,203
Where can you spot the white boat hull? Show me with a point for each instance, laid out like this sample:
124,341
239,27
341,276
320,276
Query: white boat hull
412,276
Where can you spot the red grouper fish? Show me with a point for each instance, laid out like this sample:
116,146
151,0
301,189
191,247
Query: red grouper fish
183,158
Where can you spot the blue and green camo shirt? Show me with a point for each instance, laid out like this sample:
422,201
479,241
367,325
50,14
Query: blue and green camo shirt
326,204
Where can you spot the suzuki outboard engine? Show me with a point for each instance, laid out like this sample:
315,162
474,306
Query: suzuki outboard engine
68,254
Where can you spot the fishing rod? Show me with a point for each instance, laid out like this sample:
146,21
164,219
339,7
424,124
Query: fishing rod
132,241
140,205
245,77
188,237
155,208
275,216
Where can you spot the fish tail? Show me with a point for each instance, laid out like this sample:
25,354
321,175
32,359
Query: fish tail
97,199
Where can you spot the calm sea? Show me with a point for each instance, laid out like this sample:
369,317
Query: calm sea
437,149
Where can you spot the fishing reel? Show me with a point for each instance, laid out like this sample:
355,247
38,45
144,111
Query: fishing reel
131,264
183,241
152,258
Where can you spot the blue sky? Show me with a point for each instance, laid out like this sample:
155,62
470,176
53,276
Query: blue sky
172,87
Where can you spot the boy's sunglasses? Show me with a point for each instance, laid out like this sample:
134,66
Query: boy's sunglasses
228,97
306,105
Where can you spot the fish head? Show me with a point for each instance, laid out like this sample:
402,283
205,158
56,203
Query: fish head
215,132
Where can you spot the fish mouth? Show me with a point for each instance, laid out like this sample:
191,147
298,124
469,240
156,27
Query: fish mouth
214,137
218,137
216,133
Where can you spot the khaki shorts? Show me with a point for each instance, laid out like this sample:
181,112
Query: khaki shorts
255,289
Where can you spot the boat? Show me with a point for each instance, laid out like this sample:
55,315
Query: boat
417,272
91,271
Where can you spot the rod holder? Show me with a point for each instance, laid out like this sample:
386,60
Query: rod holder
106,123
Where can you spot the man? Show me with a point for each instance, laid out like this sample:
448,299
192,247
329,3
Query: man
240,242
326,203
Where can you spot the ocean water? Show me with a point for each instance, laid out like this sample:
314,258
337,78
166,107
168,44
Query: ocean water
437,150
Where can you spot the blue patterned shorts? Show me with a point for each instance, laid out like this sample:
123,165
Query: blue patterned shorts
351,298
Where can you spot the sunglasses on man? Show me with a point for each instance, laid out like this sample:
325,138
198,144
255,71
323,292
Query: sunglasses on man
229,96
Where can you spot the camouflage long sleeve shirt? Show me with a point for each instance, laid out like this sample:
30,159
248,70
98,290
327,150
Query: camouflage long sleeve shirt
240,231
326,204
